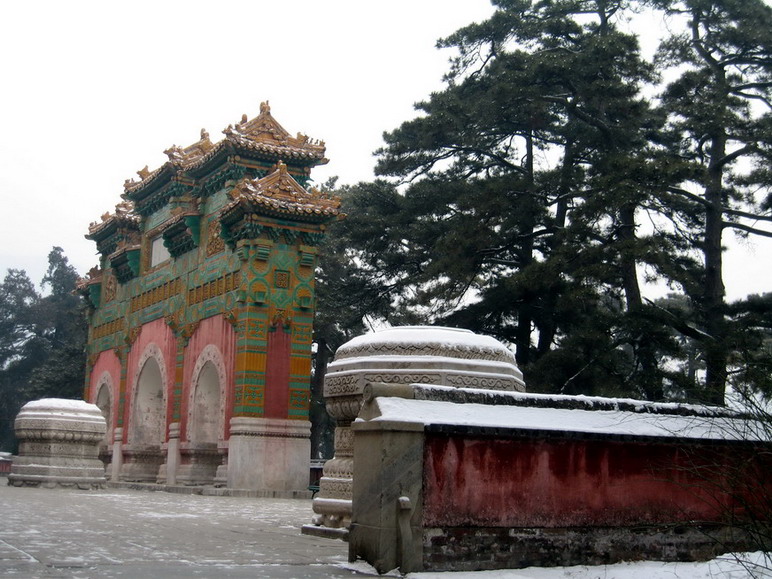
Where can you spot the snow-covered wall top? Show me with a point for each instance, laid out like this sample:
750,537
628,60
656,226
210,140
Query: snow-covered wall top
454,407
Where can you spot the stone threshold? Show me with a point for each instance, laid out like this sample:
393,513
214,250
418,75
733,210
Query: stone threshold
325,532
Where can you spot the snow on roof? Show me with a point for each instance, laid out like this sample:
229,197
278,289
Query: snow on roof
566,420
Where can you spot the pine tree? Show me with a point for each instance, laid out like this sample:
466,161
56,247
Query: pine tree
61,314
527,174
719,109
523,184
42,341
19,343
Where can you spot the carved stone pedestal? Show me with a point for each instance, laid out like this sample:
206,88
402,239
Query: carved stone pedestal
199,464
333,503
402,355
59,445
141,464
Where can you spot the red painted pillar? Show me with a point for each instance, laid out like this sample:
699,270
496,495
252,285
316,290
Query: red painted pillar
277,373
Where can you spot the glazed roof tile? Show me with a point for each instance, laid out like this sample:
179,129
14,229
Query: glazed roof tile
278,193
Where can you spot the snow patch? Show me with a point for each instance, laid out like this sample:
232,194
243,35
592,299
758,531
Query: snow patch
739,566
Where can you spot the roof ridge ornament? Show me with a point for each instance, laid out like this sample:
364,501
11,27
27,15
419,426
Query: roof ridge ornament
263,128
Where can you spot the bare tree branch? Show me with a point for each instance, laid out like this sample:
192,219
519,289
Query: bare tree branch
748,228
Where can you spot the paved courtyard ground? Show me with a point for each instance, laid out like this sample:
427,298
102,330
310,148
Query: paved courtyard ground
124,533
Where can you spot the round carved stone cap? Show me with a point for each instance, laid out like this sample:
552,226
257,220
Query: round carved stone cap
58,414
426,341
418,355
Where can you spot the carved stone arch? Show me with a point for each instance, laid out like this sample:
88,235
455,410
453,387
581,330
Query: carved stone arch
211,356
151,356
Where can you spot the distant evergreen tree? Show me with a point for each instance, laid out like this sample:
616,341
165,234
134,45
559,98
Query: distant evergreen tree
19,345
42,341
750,360
62,373
349,290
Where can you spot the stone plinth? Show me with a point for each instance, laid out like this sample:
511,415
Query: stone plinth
141,463
394,357
59,444
268,454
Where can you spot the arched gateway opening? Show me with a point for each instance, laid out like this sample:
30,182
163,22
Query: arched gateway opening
200,456
205,415
148,418
147,422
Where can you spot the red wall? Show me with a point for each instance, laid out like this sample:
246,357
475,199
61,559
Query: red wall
106,362
562,483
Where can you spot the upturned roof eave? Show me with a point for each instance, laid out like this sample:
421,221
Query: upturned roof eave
244,206
160,177
111,226
261,152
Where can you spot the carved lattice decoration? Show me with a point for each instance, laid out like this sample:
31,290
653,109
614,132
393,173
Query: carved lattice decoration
214,242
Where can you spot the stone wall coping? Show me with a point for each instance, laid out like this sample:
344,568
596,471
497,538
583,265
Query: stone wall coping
465,411
528,399
386,425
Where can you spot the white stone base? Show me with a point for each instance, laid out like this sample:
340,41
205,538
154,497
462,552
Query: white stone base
269,454
59,444
49,472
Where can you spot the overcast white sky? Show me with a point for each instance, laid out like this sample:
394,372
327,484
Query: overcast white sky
93,91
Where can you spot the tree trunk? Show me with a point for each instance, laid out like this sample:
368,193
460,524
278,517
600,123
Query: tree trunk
525,308
322,426
547,325
645,360
716,352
